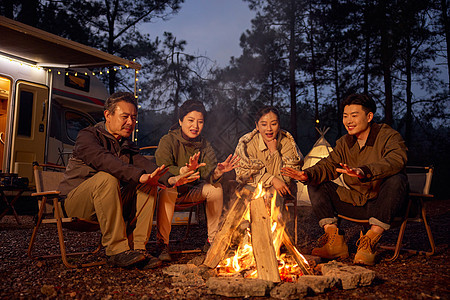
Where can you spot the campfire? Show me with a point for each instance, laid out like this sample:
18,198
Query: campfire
260,232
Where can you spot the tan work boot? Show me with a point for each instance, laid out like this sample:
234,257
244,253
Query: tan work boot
366,248
331,245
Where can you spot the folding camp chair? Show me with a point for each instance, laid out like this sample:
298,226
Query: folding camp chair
46,190
419,179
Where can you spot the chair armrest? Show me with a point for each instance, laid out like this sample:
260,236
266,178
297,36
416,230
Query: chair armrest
47,193
421,195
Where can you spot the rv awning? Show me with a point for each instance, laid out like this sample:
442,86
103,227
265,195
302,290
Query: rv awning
48,50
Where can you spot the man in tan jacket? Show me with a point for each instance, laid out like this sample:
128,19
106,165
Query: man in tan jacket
372,158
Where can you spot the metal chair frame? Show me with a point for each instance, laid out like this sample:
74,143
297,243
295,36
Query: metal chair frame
420,181
48,196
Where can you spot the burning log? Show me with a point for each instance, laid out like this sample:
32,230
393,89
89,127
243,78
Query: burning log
302,263
263,250
222,239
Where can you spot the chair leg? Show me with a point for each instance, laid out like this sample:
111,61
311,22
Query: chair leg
61,236
36,227
428,229
401,233
295,222
398,246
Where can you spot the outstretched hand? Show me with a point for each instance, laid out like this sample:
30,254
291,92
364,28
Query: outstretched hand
226,166
354,172
193,164
152,179
281,187
294,174
184,178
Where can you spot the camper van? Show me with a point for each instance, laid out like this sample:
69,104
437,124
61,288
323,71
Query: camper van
47,94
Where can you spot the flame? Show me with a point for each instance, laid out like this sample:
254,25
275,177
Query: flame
243,261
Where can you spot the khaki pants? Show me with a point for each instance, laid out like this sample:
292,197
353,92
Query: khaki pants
211,193
99,198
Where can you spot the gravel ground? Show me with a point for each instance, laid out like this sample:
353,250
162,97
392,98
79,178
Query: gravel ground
409,277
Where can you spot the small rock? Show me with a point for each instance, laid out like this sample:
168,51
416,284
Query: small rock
198,260
289,290
319,284
180,269
238,287
48,290
350,277
190,279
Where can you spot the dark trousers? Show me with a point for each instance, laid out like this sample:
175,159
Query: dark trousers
381,211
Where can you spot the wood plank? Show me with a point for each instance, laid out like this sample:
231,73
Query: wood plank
262,242
296,254
223,237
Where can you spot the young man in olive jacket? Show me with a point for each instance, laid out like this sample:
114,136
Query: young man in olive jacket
372,158
101,181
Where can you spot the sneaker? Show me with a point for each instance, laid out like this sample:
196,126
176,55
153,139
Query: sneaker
165,255
366,248
150,261
126,258
331,245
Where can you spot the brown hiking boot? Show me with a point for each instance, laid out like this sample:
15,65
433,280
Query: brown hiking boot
331,245
366,248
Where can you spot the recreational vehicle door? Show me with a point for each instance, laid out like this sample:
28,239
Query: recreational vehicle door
29,127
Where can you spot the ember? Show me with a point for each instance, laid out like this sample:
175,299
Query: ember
258,251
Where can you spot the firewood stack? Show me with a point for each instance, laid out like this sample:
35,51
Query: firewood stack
261,236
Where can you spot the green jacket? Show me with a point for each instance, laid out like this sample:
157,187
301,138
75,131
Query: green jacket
174,152
383,155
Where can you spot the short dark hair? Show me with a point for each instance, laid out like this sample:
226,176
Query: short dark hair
191,105
265,110
364,100
111,102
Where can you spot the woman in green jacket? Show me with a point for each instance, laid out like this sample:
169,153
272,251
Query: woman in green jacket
182,150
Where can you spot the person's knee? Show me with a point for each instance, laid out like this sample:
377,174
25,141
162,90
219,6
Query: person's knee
213,192
106,180
398,182
167,195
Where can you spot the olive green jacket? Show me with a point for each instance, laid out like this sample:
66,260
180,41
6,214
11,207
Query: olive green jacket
383,155
174,152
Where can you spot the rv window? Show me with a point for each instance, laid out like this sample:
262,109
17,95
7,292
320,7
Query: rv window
74,123
25,113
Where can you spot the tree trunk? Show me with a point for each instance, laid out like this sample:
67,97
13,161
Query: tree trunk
338,91
366,51
313,67
408,92
386,62
29,12
292,67
9,8
366,63
445,20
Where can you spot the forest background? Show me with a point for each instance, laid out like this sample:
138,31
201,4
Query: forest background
302,56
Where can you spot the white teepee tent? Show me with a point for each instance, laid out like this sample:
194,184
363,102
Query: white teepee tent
320,150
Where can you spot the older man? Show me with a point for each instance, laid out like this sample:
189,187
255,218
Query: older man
101,180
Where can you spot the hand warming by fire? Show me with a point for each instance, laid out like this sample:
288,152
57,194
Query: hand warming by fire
257,246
